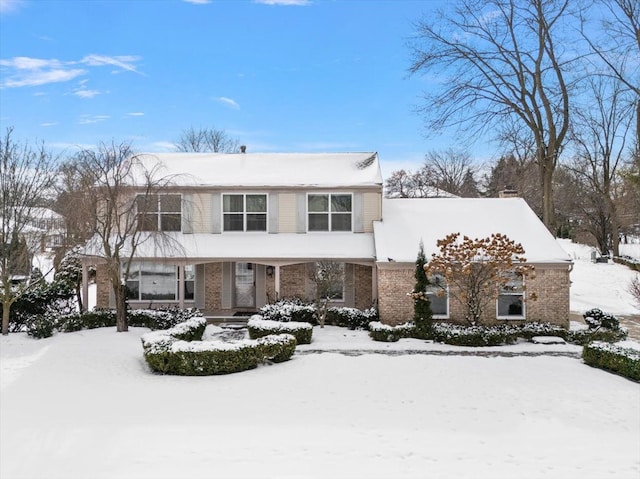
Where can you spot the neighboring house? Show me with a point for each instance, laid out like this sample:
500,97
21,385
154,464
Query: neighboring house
253,227
48,228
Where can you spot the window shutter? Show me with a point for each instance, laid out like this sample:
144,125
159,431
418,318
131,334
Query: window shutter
301,212
216,213
273,213
358,213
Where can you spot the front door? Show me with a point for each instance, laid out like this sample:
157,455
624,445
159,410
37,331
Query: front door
245,285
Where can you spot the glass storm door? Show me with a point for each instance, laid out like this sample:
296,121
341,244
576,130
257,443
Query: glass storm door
245,285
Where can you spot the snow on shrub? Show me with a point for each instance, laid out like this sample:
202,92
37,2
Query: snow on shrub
613,357
351,318
474,335
289,310
259,327
390,334
596,319
180,351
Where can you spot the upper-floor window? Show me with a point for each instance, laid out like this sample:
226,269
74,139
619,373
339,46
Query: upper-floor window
510,302
159,212
438,294
244,212
329,212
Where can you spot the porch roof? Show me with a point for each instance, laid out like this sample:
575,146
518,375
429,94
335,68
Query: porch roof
252,247
407,221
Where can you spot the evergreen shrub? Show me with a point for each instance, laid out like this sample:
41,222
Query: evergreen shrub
391,334
259,328
351,318
474,335
614,358
289,310
41,326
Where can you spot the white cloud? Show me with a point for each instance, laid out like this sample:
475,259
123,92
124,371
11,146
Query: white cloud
135,113
284,2
125,62
229,102
51,123
91,119
26,71
197,2
10,6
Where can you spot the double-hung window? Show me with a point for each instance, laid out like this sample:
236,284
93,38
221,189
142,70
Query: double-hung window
438,294
159,212
244,212
329,280
329,212
510,302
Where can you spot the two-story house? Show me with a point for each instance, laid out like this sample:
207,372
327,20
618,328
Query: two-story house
250,228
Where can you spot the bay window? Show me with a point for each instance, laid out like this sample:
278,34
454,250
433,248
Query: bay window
158,282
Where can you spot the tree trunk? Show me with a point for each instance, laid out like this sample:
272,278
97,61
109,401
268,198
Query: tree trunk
122,325
548,212
6,310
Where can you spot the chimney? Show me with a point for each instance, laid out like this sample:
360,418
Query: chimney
508,192
243,149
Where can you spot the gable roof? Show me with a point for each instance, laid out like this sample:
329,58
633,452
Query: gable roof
331,170
407,221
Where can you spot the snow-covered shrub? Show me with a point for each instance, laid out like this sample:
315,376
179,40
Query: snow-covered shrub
351,318
167,354
474,335
189,330
277,347
259,327
596,319
612,357
289,310
162,318
41,326
41,298
530,330
586,336
390,334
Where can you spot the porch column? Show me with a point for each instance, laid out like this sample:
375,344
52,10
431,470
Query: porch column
374,283
85,287
181,286
277,282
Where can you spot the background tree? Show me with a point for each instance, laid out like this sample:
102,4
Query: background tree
500,64
444,173
204,140
599,132
26,176
475,269
124,183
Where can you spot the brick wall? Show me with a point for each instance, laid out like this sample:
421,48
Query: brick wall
213,287
293,281
103,286
362,282
394,306
550,284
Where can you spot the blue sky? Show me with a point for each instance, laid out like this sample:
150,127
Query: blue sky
279,75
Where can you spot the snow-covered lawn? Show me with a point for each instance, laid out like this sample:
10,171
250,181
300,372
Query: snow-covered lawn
84,405
599,285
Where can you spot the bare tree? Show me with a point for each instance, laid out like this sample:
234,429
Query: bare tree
444,173
501,62
125,189
328,280
26,175
206,140
600,133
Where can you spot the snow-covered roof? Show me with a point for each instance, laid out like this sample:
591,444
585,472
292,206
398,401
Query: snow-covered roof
256,247
407,221
266,169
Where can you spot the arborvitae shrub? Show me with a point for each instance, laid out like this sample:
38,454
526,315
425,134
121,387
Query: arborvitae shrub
612,357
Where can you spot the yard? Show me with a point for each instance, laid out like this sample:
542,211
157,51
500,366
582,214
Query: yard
84,405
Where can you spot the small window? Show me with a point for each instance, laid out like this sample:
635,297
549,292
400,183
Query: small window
329,212
510,302
159,212
438,293
244,212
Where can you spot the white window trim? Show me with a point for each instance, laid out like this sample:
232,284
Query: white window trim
158,214
329,193
178,280
524,303
244,212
